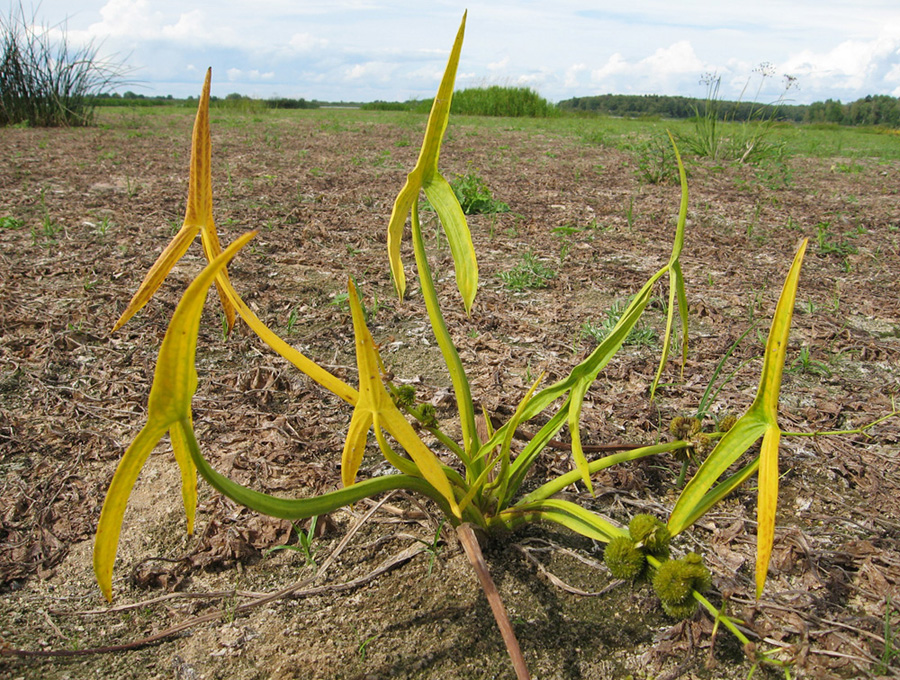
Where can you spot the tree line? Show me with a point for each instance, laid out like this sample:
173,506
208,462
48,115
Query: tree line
881,110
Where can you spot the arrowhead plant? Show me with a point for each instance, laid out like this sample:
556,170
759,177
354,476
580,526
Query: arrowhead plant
483,486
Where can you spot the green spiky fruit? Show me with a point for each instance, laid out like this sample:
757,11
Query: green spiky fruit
652,534
703,444
675,581
428,415
727,423
682,610
406,396
684,427
624,559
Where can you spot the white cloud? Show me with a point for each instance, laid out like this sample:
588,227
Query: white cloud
305,42
190,26
128,18
572,75
253,75
665,71
392,49
370,71
678,58
853,64
498,65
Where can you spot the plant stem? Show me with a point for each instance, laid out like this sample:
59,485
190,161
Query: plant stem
561,482
448,349
831,433
473,552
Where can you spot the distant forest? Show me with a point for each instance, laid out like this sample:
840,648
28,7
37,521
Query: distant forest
881,110
872,110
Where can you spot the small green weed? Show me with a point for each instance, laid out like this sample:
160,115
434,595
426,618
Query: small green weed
656,160
640,336
305,538
10,222
475,197
804,363
434,547
342,301
103,226
891,651
529,273
828,245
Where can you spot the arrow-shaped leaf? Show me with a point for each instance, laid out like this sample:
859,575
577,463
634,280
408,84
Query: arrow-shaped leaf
425,176
198,217
169,404
760,420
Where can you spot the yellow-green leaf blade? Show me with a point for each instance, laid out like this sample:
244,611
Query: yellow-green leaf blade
426,165
355,443
667,338
373,395
461,387
567,514
766,504
199,202
776,345
682,208
742,435
173,252
175,378
407,197
299,508
174,383
581,463
188,474
109,527
446,205
588,369
440,109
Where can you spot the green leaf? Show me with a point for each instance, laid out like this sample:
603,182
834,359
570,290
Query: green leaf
742,435
446,205
676,281
461,387
290,508
568,514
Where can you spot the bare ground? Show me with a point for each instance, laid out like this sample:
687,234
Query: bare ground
98,205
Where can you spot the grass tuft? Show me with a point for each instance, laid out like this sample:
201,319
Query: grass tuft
45,82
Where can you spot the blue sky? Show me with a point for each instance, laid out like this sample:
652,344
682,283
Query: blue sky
363,50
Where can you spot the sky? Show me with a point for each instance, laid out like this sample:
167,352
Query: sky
367,50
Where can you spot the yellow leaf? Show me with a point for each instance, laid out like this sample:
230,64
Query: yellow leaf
375,406
168,408
198,217
158,272
425,176
776,344
355,444
766,504
188,474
